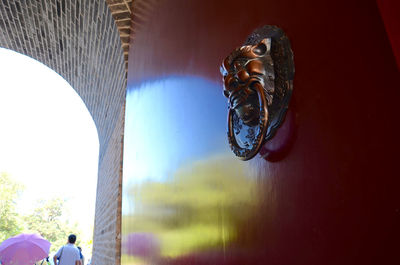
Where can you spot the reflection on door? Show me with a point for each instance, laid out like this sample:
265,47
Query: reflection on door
184,193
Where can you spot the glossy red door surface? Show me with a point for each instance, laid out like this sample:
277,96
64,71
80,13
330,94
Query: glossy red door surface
389,10
332,196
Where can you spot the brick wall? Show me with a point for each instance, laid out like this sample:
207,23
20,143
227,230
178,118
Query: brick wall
80,41
107,234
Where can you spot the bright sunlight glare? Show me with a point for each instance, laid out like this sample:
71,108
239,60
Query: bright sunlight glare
48,140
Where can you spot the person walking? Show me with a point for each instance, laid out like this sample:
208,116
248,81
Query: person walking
68,254
81,256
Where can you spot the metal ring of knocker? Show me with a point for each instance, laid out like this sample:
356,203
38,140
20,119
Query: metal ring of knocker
258,82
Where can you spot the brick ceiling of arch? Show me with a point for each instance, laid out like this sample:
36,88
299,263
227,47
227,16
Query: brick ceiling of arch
128,16
80,41
121,12
75,39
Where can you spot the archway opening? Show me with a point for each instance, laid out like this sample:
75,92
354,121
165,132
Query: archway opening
48,156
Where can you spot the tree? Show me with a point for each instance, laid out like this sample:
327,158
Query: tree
10,223
47,220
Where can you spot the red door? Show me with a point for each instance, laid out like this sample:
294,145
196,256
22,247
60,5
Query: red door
332,196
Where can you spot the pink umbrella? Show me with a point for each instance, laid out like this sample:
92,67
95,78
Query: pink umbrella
24,249
141,244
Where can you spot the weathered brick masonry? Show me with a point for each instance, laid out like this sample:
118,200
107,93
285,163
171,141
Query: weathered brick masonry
80,41
121,11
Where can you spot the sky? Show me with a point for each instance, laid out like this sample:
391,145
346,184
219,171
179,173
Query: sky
48,140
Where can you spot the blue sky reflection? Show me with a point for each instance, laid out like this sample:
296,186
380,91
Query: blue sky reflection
169,122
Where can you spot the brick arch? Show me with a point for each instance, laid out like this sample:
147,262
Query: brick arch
79,40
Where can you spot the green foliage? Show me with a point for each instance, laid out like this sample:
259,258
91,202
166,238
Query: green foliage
10,223
47,220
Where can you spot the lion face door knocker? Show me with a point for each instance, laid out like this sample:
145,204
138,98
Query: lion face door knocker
258,82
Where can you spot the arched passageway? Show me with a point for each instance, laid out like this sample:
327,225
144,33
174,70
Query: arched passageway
49,154
80,41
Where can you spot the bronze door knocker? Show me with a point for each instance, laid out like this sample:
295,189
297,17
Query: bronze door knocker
258,82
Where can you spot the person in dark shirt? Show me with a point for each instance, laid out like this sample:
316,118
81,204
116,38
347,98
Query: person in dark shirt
81,256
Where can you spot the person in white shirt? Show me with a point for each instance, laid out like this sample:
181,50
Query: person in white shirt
68,254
